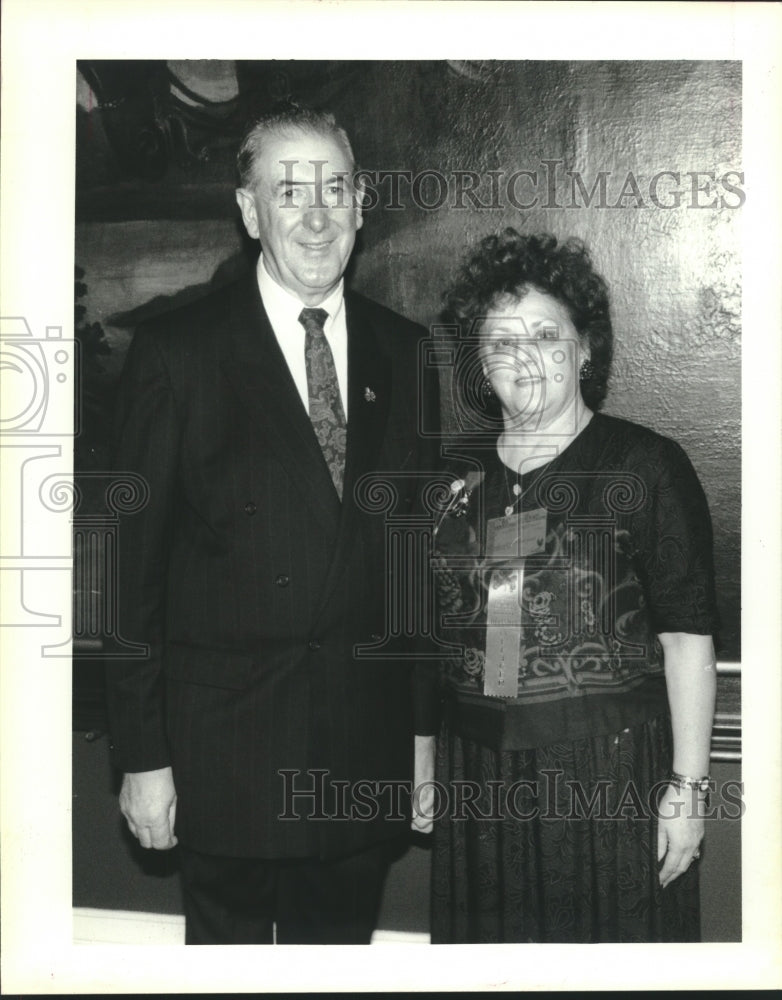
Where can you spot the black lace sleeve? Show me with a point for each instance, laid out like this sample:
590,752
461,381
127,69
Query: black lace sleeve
674,545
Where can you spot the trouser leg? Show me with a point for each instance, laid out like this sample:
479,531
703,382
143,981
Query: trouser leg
311,901
227,900
332,902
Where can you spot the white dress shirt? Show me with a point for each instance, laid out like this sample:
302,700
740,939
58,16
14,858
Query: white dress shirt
283,309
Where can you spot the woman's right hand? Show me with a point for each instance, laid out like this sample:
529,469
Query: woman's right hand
423,784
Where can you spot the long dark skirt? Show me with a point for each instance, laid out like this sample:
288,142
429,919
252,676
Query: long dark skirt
546,866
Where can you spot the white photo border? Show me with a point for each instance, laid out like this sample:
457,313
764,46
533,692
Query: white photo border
42,40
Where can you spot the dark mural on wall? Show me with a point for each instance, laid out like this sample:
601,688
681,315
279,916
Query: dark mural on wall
642,160
175,125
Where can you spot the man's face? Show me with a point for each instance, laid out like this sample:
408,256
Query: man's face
305,212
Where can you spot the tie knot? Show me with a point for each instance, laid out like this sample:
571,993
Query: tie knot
313,319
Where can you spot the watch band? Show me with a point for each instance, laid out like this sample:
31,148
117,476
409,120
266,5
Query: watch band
683,781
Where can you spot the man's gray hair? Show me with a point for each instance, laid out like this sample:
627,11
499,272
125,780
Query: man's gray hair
291,120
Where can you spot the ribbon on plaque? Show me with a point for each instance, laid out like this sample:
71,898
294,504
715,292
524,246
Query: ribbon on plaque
509,540
503,633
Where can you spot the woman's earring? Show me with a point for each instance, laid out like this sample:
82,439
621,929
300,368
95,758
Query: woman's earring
486,387
587,371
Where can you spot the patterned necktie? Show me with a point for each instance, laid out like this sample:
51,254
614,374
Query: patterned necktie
326,411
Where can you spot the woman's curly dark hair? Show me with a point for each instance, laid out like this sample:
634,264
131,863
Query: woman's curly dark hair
510,263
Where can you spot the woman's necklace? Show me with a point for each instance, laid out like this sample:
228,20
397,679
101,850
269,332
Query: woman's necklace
515,493
542,460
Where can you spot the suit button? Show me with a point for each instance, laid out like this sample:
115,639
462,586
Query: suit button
250,508
314,644
282,580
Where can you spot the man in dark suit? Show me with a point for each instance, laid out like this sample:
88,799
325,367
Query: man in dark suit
254,727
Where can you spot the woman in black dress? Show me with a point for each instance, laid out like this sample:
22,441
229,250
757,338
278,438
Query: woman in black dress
574,575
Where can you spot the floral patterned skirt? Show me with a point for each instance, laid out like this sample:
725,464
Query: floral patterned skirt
556,844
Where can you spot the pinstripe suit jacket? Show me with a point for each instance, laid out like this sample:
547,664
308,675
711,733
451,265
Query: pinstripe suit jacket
250,583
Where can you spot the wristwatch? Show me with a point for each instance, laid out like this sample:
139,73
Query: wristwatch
683,781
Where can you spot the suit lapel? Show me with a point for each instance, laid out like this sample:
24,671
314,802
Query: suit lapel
259,375
369,395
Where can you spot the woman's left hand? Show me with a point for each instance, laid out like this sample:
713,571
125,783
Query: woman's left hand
680,831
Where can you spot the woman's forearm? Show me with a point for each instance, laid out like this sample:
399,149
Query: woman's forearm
691,680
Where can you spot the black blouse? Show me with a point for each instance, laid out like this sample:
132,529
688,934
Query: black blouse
624,555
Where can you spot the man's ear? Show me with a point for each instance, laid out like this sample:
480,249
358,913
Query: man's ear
246,203
358,204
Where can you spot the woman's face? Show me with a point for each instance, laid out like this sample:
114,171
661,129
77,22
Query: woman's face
531,354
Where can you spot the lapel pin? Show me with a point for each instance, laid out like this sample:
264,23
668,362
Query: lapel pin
369,396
